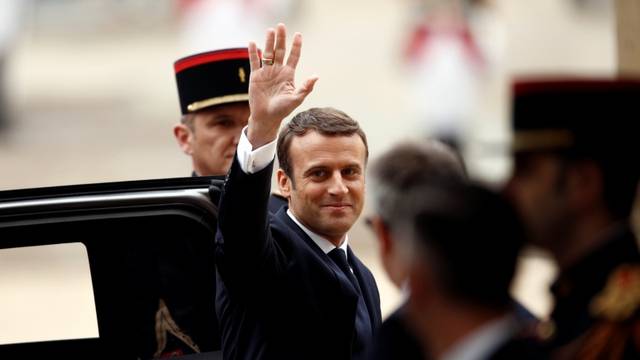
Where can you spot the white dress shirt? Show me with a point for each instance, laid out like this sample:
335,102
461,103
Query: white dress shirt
251,161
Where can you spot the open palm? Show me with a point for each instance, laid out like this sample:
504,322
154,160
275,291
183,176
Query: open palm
272,91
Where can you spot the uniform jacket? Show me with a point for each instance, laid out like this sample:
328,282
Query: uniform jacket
279,295
184,325
597,303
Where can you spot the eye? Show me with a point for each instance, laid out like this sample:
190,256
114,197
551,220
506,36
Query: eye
350,172
318,173
523,166
226,123
223,122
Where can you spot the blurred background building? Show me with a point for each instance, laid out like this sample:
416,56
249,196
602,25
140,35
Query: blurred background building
88,89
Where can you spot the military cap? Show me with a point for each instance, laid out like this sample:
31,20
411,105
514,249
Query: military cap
212,78
593,116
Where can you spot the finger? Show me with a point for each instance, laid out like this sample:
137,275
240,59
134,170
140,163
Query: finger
294,54
254,58
268,44
281,44
306,87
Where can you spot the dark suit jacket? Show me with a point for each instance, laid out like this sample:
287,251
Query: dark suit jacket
279,295
395,340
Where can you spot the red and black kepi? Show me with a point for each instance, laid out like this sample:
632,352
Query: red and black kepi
212,78
591,115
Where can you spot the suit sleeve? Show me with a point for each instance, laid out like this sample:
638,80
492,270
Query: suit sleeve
245,249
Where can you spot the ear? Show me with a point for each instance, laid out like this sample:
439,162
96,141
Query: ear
184,137
284,183
383,235
395,267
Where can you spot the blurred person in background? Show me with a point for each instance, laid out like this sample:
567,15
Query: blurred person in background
220,24
396,177
450,52
575,179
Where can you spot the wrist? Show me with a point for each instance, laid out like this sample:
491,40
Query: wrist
259,135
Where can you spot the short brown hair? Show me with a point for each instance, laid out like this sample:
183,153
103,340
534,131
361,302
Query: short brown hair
326,121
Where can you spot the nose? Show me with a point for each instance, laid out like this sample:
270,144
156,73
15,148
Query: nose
337,186
236,136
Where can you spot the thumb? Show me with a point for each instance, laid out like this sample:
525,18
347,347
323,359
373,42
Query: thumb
306,87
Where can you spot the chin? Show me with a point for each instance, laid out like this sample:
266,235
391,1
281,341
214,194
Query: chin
340,228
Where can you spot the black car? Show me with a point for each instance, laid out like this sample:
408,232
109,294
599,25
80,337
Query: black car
145,242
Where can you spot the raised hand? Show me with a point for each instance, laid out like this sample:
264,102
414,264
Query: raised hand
272,91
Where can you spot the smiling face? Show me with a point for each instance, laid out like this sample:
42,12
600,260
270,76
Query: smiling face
213,136
326,191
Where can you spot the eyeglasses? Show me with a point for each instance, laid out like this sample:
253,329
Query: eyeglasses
374,219
369,220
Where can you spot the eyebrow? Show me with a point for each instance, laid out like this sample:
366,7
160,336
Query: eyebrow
220,118
324,167
314,168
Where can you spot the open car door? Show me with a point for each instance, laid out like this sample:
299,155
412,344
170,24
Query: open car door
109,271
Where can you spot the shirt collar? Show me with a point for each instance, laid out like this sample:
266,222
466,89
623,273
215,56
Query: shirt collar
325,245
483,341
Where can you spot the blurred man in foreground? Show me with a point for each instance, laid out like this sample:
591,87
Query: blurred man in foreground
410,179
391,175
575,180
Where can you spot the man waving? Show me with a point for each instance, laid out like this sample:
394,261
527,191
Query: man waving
289,285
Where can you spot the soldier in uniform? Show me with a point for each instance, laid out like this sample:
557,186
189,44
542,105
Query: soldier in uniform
213,92
213,88
575,179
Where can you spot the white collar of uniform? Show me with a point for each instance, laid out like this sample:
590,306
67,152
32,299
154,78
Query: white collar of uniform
325,245
484,341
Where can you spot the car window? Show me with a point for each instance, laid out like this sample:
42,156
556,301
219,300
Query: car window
46,294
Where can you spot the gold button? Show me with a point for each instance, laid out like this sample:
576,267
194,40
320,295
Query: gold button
546,329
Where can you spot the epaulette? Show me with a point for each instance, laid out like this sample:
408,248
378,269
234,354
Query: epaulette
620,298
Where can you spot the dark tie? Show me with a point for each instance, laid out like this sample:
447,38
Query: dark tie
363,328
339,257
